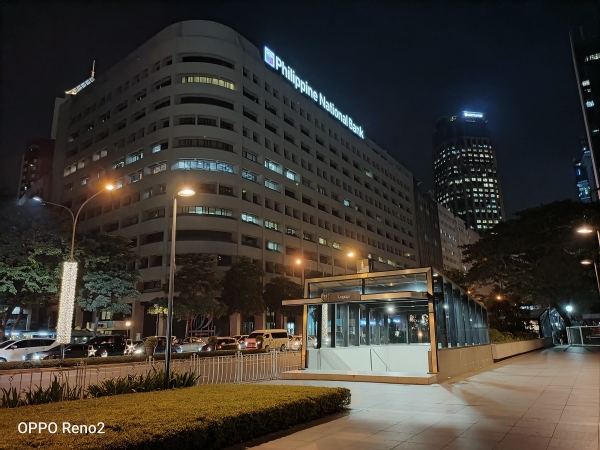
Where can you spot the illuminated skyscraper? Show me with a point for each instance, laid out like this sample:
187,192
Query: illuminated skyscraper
584,173
586,59
466,178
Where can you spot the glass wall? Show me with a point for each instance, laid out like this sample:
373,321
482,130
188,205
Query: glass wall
405,319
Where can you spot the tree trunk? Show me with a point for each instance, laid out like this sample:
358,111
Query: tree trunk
96,319
16,322
187,327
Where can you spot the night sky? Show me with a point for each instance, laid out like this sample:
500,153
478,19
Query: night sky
395,67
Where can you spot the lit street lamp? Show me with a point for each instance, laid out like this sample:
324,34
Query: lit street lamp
128,324
69,279
587,229
183,193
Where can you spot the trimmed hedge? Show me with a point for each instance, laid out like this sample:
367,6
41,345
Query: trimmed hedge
202,417
498,337
70,362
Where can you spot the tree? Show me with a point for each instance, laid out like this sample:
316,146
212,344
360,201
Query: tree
33,245
107,276
242,288
535,258
196,284
279,289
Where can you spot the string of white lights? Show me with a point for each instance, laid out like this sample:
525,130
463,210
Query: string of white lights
66,303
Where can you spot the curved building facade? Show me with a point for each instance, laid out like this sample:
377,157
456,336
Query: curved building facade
277,176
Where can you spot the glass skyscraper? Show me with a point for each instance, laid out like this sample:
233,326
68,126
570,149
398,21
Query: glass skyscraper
466,177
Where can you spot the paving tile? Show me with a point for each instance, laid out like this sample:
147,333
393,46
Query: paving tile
461,443
556,443
532,431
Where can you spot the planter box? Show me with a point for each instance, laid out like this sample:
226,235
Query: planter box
501,351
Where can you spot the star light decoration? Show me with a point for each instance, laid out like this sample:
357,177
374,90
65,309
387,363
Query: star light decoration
66,302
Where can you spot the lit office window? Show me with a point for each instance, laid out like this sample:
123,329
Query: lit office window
202,164
209,80
250,218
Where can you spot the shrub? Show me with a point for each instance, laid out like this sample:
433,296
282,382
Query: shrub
497,337
152,381
151,342
207,417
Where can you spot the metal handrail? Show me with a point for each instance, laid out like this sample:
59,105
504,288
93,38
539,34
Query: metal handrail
372,350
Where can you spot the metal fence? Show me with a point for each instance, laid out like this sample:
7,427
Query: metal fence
238,368
584,335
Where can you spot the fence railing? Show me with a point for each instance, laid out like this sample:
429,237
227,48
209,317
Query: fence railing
238,368
584,335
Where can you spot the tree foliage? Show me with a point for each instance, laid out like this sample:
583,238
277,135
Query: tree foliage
33,244
535,258
107,276
242,288
196,285
279,289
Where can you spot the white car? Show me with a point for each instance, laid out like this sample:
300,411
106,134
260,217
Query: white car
191,344
16,350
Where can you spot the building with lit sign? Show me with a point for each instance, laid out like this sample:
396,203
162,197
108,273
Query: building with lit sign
279,175
466,177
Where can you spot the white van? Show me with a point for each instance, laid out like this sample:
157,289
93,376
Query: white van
16,350
268,340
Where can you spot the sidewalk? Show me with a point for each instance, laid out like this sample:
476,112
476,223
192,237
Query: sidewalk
547,399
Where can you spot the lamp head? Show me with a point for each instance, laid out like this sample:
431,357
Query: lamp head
587,262
298,261
128,323
351,254
569,308
109,187
37,199
585,229
186,192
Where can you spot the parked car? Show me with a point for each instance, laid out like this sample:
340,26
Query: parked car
190,344
295,343
161,347
131,345
223,343
268,340
16,350
71,351
107,345
242,341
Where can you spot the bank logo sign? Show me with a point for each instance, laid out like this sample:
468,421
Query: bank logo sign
276,63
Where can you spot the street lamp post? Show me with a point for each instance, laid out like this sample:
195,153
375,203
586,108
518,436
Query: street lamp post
69,278
182,193
128,324
586,229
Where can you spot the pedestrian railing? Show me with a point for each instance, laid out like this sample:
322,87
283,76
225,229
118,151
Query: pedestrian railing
238,368
584,335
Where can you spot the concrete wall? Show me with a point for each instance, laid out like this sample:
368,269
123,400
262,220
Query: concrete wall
397,358
501,351
459,360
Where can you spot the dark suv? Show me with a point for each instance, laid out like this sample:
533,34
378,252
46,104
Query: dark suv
113,344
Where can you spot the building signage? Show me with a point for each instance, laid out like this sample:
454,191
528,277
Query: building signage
476,115
78,88
276,63
337,297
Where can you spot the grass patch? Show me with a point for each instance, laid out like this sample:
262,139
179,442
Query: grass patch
71,362
202,417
